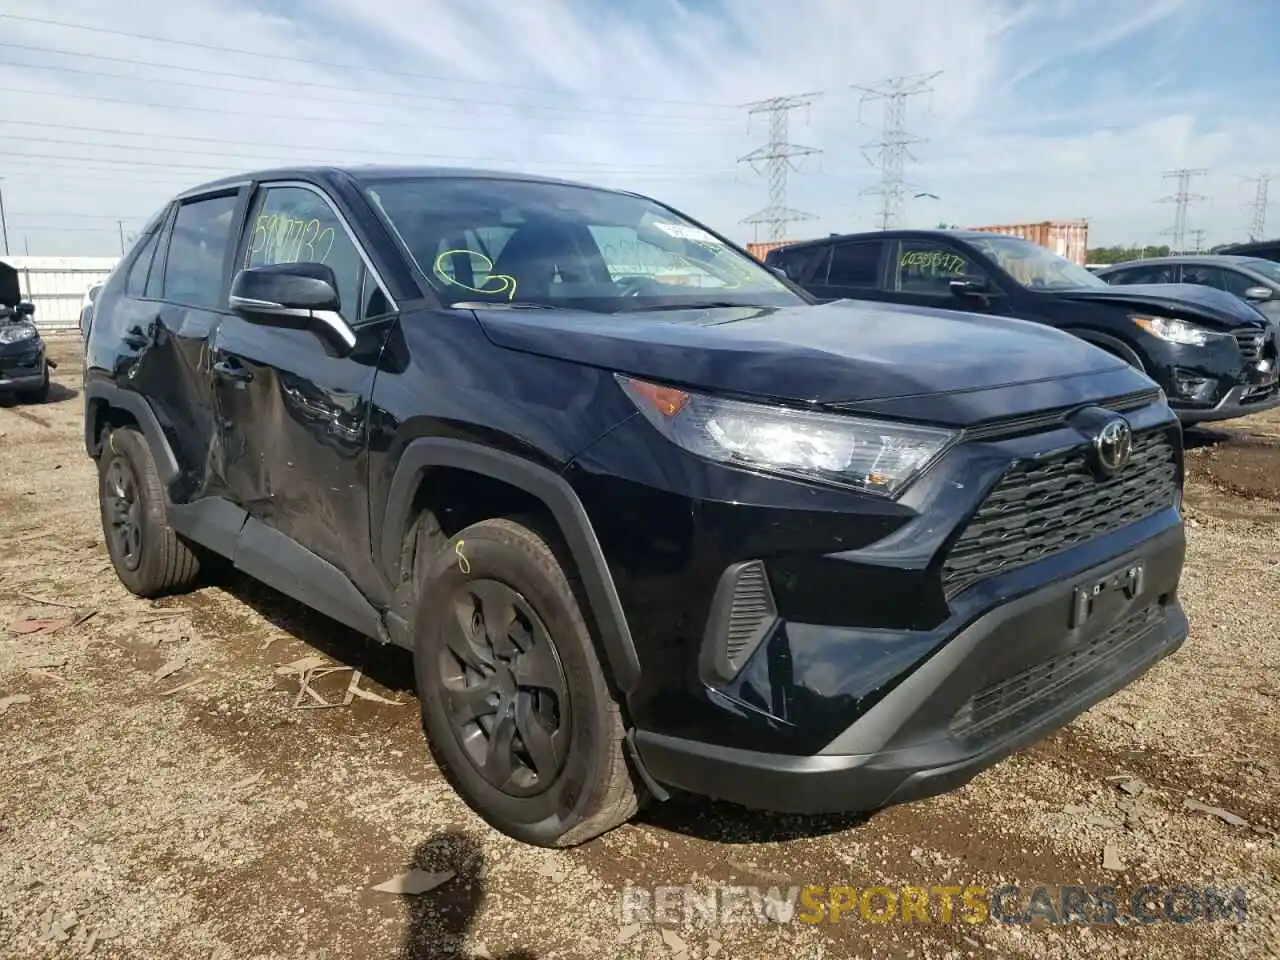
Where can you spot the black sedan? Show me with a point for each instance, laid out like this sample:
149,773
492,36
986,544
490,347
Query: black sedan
1215,355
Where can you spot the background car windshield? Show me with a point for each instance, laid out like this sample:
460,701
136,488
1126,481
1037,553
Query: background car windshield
521,242
1265,268
1035,267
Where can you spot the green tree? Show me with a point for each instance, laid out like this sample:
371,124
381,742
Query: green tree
1121,254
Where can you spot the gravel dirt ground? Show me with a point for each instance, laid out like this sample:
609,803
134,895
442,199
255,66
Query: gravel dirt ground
161,796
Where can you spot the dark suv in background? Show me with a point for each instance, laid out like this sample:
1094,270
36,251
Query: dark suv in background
1214,355
648,517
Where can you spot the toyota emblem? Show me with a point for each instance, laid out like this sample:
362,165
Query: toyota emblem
1113,445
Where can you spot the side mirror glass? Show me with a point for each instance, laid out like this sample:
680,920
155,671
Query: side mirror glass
1258,293
294,295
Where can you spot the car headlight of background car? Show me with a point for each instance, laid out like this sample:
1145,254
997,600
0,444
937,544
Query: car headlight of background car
1176,331
870,455
16,332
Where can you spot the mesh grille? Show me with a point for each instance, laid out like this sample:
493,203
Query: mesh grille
752,609
1043,507
1250,343
1000,706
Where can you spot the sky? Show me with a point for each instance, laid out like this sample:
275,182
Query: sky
1041,109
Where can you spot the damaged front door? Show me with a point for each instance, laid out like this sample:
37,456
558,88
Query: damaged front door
292,412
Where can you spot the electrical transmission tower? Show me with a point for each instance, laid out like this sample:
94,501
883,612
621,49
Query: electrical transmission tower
891,149
1197,241
774,159
1181,200
1258,228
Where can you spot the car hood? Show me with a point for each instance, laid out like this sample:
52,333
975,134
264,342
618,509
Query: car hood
841,353
1206,303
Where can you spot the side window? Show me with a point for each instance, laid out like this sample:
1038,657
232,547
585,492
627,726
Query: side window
1228,280
1155,273
856,264
136,283
796,263
1203,276
296,225
925,267
193,267
155,280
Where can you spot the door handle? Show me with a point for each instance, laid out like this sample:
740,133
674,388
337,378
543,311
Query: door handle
135,339
228,370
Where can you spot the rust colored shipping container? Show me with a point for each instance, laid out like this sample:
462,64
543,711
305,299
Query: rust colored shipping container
760,249
1067,238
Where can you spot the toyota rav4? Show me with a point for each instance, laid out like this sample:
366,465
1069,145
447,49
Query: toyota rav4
649,517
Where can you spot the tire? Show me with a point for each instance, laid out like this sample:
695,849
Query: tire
571,741
152,561
39,394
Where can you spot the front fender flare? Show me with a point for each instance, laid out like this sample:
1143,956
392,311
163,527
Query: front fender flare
556,494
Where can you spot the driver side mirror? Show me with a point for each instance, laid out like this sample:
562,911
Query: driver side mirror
25,308
1258,293
970,286
298,296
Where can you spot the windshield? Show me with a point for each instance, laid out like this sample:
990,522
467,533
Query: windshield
1034,266
1265,268
514,242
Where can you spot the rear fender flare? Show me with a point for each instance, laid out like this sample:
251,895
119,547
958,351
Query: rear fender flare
100,396
559,498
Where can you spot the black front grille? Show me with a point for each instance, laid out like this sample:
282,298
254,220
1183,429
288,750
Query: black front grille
1005,705
1250,343
1043,507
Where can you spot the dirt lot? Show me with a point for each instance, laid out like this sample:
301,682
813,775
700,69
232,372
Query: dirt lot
161,797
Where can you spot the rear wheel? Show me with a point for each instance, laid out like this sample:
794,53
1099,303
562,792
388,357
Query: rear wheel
514,700
148,556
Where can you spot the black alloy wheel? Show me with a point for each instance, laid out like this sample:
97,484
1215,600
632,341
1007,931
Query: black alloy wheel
124,513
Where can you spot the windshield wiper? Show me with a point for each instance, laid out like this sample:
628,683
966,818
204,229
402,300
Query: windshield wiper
700,305
522,305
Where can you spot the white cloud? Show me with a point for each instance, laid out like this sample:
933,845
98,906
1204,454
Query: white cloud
1040,112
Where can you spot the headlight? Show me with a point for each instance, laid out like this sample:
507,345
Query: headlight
1175,331
869,455
16,332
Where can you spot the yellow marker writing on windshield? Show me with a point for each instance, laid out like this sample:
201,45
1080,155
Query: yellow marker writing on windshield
463,563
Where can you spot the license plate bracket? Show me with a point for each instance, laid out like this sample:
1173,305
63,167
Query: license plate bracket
1109,593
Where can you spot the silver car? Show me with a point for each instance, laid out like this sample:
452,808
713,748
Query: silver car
1250,278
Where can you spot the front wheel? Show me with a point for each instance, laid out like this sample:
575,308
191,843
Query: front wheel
514,701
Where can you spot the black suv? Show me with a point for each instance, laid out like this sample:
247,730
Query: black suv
1215,356
647,516
24,365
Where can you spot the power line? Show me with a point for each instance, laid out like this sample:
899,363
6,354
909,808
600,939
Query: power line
1181,200
1197,240
469,109
776,157
277,57
366,155
1258,225
306,118
891,148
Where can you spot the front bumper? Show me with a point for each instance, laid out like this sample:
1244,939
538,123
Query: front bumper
1006,679
1239,401
22,369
